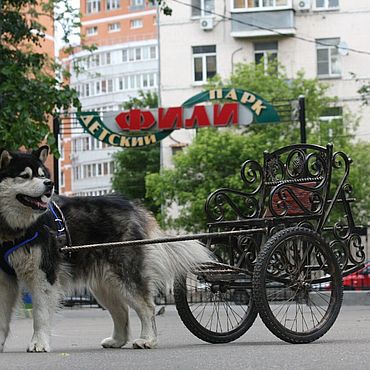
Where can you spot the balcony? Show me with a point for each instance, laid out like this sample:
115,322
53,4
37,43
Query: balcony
262,23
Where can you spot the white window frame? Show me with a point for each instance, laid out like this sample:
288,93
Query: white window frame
114,27
203,13
136,23
151,48
325,7
260,7
320,46
204,65
112,4
137,3
124,53
62,179
92,31
266,53
93,6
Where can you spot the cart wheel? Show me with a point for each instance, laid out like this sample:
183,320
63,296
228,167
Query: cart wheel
297,285
214,312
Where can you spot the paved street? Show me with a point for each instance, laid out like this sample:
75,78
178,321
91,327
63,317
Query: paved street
77,334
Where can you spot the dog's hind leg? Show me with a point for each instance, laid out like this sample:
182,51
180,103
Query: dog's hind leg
111,298
8,297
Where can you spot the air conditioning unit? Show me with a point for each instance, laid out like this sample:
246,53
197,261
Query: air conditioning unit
303,4
206,23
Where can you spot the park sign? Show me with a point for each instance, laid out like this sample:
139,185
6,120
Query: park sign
138,128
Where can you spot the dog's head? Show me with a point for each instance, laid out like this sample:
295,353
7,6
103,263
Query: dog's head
25,187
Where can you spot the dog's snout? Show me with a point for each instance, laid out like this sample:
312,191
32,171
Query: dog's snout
49,184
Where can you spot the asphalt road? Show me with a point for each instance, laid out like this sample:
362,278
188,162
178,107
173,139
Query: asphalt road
78,332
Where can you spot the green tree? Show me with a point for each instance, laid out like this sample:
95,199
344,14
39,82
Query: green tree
214,159
30,91
133,164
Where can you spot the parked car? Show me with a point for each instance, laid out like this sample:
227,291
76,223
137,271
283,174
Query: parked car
359,280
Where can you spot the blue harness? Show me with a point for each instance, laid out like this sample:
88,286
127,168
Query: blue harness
8,247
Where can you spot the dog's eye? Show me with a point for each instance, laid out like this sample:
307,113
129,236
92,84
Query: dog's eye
25,176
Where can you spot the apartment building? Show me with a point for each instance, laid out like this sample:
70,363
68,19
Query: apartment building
125,61
328,39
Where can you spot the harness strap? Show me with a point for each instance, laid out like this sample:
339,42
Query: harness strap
61,221
8,248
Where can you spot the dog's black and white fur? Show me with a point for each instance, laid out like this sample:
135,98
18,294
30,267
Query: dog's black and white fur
119,278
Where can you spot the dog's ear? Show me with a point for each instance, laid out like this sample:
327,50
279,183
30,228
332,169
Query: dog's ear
5,158
41,153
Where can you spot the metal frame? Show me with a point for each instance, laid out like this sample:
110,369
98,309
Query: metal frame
292,188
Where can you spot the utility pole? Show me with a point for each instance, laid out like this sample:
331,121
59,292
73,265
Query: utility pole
56,128
302,118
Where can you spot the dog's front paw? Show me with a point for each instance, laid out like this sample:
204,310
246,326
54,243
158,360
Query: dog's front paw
113,343
38,346
144,343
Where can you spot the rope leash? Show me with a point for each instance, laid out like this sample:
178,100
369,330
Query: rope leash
174,239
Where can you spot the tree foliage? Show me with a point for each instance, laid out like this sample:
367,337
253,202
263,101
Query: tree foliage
214,159
30,90
133,164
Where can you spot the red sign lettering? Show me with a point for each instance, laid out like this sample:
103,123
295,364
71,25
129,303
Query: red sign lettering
168,118
199,117
135,120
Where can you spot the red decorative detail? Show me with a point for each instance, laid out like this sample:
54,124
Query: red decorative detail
303,195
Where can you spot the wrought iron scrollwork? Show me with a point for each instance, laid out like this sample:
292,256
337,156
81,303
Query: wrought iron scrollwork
227,203
252,175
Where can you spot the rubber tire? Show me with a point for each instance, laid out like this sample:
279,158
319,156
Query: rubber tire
199,330
259,295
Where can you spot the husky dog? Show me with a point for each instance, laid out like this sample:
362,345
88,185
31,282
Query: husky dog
119,278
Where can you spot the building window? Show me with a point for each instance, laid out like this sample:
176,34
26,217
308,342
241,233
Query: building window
124,55
153,52
253,4
92,31
204,62
137,53
97,87
201,8
114,27
113,4
328,57
136,23
61,151
265,52
92,6
136,4
110,85
326,4
62,180
331,124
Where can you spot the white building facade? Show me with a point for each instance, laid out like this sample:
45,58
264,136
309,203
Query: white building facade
105,79
327,39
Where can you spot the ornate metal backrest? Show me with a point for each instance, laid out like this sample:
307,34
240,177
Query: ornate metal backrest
296,180
299,184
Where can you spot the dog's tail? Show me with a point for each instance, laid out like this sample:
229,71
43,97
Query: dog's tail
167,262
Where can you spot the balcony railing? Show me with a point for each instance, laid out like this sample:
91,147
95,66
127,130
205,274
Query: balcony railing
259,23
